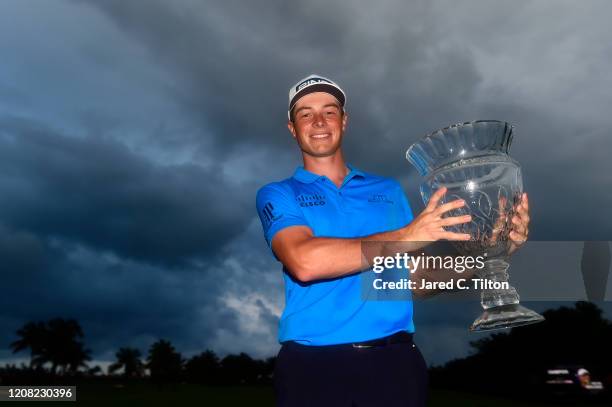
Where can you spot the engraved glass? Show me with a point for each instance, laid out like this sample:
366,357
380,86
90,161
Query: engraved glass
471,160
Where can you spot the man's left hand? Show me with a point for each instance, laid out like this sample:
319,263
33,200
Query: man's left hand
520,224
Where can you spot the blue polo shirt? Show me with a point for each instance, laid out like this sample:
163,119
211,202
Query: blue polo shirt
335,311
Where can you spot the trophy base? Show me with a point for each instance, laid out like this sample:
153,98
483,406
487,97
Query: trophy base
505,316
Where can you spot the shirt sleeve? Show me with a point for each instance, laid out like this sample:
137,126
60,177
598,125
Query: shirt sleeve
277,210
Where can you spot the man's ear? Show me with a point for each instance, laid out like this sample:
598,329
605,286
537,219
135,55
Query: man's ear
344,121
291,128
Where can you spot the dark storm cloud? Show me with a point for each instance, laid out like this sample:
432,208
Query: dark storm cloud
23,254
126,303
101,194
91,227
406,74
234,68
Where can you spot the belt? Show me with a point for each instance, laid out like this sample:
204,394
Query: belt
398,337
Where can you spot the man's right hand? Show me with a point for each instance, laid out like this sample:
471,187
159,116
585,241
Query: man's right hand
429,225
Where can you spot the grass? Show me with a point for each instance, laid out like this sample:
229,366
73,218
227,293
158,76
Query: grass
134,394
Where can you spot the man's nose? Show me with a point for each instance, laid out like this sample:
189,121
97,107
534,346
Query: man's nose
319,120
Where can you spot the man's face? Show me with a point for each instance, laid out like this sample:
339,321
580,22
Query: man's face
318,124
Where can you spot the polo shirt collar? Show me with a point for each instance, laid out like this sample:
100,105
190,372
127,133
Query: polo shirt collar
354,172
305,176
308,177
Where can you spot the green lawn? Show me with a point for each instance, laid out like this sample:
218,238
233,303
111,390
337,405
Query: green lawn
106,394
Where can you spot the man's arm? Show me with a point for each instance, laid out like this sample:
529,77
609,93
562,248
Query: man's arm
310,258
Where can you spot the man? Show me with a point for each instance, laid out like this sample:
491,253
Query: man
584,377
337,349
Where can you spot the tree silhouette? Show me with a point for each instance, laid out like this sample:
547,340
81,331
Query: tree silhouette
129,360
33,336
266,369
569,336
240,369
164,362
578,335
203,368
57,342
64,349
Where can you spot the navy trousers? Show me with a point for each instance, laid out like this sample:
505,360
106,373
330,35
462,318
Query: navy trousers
392,375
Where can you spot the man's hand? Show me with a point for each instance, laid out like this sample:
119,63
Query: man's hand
429,225
520,224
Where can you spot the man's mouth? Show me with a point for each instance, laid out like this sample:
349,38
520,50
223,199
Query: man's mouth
320,136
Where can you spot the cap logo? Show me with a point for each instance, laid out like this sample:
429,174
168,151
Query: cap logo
309,82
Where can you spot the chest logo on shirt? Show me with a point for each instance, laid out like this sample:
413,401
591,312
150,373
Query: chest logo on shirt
379,198
307,200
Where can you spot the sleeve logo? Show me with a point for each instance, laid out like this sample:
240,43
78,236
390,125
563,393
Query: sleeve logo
267,213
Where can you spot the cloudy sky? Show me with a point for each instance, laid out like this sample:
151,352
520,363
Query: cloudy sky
134,135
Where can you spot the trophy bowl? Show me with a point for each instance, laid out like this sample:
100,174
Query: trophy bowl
471,160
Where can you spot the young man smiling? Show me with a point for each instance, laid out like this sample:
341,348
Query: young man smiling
338,349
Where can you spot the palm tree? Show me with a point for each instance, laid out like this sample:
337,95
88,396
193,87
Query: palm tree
56,341
33,336
164,362
129,360
64,349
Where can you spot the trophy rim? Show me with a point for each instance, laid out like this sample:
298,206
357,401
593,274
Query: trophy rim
462,124
509,128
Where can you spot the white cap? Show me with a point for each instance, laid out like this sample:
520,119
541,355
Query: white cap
582,371
314,83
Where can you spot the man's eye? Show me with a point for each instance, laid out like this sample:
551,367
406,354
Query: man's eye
331,112
306,115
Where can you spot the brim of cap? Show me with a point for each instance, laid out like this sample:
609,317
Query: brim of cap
319,87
